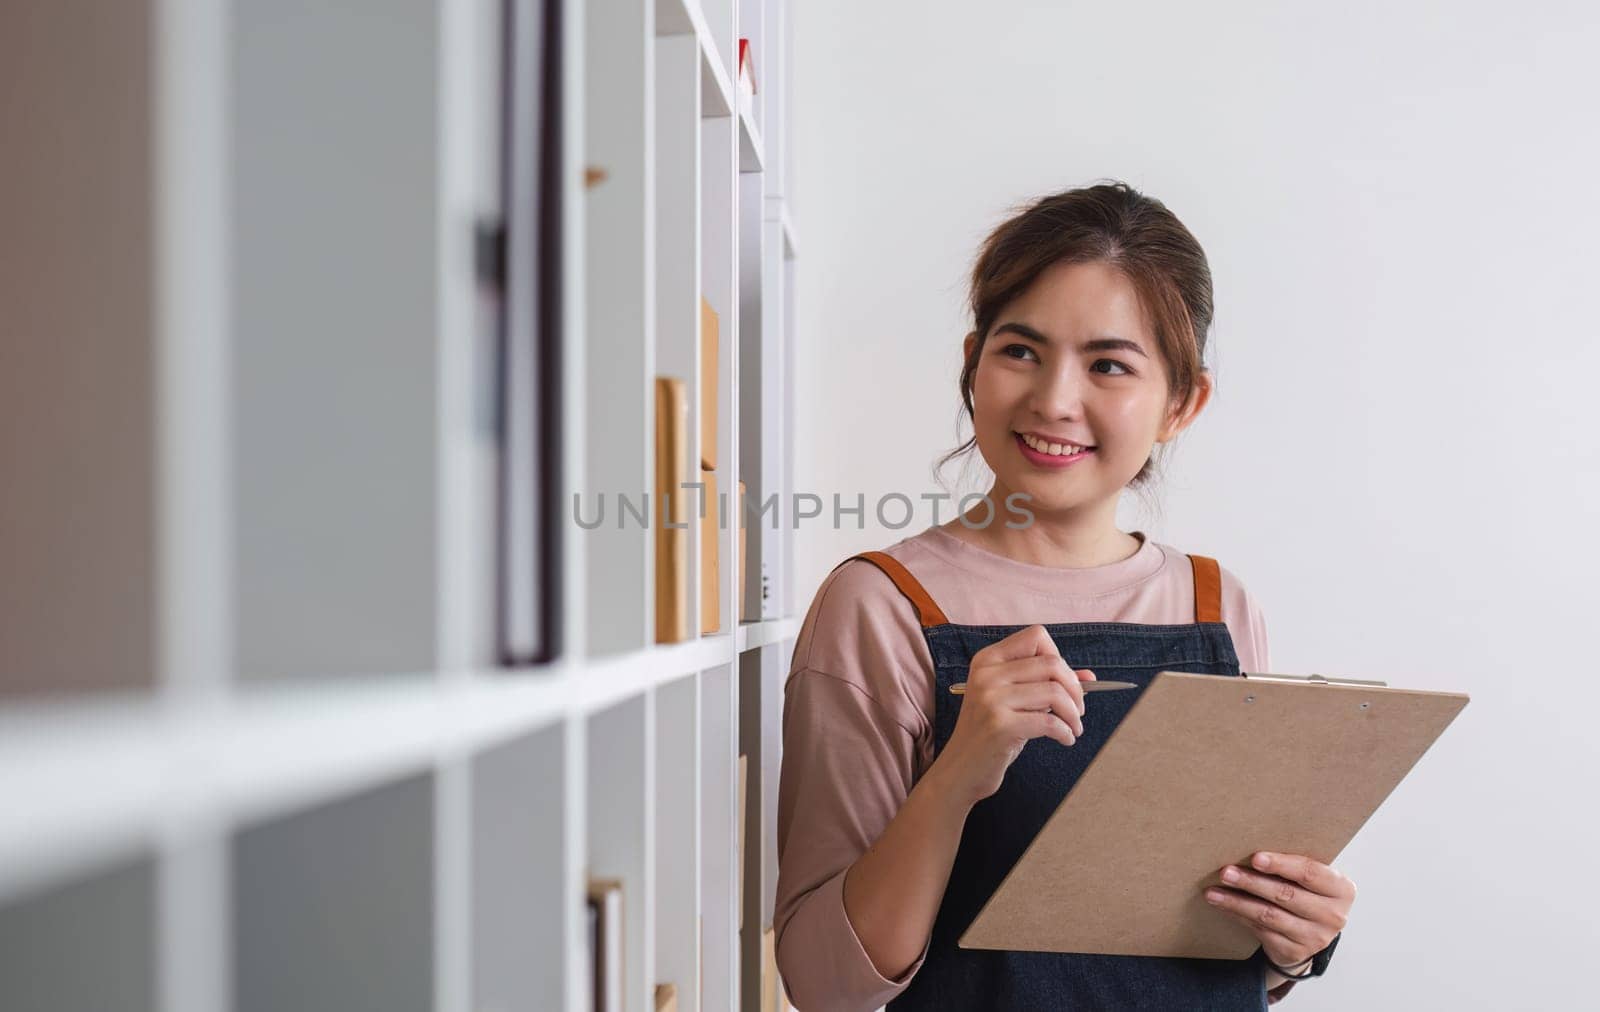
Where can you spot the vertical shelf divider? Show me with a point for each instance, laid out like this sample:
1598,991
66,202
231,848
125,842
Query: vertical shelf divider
194,641
619,337
677,828
678,837
677,166
719,812
621,750
719,139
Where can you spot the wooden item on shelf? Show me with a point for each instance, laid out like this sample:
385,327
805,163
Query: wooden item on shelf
605,896
670,507
738,591
708,385
666,998
744,769
710,555
593,175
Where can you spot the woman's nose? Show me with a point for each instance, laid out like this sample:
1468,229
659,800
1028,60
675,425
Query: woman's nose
1057,393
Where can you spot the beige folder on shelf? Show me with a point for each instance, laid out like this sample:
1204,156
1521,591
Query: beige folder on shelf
670,514
1204,771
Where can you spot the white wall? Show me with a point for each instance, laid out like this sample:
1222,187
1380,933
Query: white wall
1399,207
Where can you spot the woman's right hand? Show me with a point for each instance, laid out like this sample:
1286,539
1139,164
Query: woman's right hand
1017,689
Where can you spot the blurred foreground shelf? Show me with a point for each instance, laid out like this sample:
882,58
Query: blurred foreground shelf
263,741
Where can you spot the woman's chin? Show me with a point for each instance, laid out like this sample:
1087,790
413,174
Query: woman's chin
1038,497
1046,494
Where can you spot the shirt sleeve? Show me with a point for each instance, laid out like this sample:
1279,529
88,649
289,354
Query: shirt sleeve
847,769
1246,624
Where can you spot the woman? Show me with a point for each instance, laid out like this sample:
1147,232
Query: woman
902,806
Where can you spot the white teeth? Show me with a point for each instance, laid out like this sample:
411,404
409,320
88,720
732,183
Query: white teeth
1054,449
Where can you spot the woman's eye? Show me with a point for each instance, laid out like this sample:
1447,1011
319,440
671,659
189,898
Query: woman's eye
1022,353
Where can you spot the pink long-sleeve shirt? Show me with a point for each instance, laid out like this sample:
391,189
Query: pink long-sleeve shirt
858,717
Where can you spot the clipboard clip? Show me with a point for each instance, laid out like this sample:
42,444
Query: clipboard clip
1313,678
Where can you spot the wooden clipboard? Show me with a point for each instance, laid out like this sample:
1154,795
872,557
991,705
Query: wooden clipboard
1204,771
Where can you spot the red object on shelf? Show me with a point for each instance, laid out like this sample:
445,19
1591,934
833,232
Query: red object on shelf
747,67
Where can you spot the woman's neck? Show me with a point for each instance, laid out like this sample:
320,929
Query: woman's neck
1077,541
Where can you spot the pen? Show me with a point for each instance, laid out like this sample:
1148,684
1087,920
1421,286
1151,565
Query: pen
960,688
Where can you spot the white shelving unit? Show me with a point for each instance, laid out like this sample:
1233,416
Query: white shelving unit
276,764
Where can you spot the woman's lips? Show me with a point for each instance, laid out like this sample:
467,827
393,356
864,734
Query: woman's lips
1045,459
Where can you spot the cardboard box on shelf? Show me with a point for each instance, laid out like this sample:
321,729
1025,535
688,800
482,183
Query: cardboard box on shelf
666,998
671,503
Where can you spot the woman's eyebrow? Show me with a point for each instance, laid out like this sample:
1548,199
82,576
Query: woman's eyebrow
1095,344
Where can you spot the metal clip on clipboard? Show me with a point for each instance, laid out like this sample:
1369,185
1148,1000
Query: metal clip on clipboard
1313,678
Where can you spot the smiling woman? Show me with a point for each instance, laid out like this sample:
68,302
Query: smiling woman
1111,298
901,804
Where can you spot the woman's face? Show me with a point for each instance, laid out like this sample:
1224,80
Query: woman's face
1073,360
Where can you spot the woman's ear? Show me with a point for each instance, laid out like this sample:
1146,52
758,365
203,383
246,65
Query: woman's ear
966,345
1181,417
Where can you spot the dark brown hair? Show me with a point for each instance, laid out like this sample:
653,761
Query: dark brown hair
1113,224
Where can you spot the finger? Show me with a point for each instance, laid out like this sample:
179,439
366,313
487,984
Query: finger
1313,874
997,679
997,661
1047,670
1281,949
1261,915
1292,896
1030,669
1048,695
1044,724
1072,686
1033,641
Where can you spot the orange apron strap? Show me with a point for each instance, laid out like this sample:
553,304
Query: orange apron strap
1207,589
928,613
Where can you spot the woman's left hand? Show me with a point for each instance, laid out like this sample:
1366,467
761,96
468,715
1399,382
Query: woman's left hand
1293,903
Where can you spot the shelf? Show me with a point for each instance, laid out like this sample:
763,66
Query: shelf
516,903
678,763
678,17
85,945
620,807
322,896
716,92
791,245
750,159
263,751
291,771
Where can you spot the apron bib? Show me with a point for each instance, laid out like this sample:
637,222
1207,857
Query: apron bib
1001,826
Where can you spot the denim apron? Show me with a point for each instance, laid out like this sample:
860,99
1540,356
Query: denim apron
1001,826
